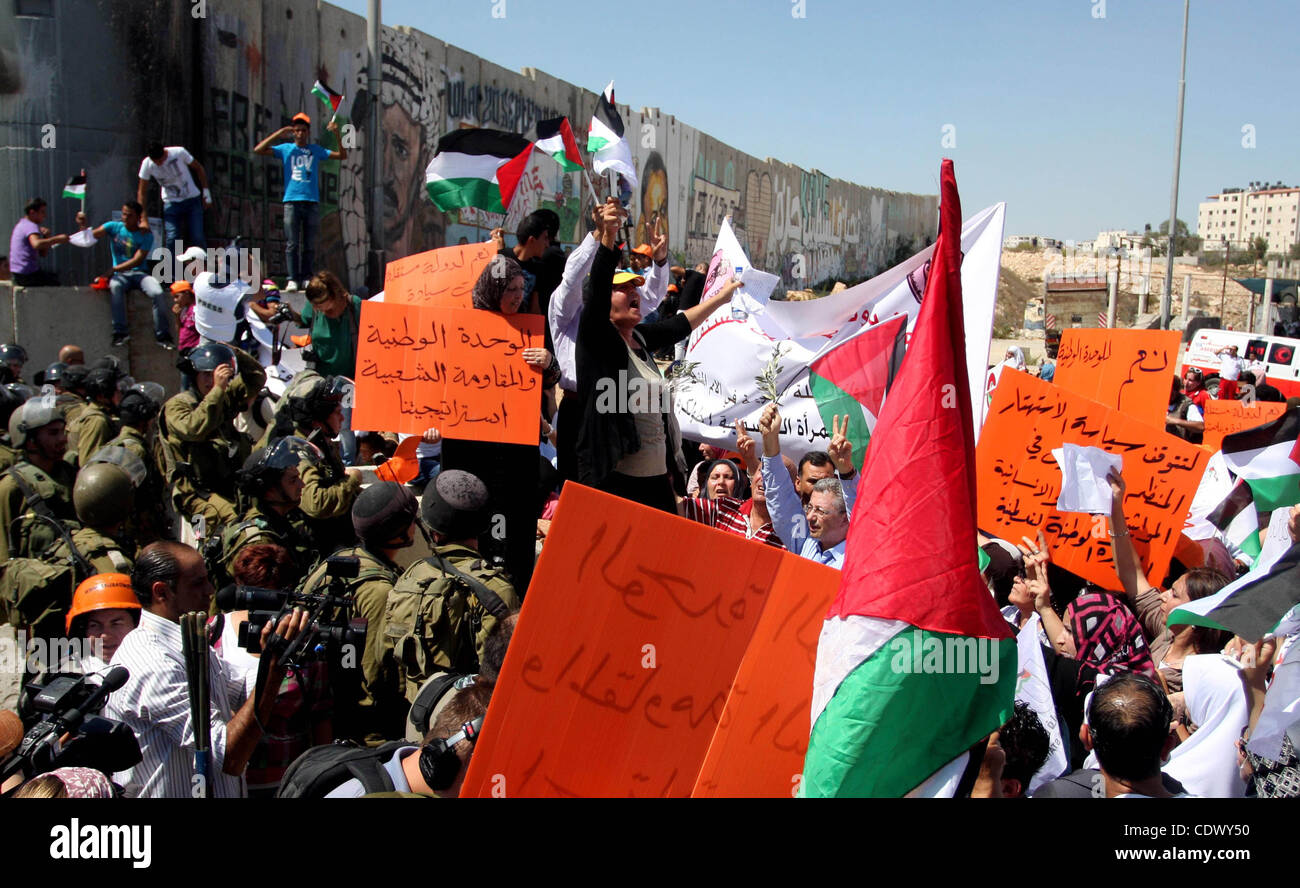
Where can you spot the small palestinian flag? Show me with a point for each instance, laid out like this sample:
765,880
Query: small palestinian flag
852,379
1251,606
328,97
555,137
477,168
1268,459
76,187
605,139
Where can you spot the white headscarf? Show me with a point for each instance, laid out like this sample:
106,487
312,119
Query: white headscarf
1216,703
1015,358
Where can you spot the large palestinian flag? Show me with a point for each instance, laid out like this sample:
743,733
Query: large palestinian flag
1268,459
1251,606
606,141
914,664
477,168
852,378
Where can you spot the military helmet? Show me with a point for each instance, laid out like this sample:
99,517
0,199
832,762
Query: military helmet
12,396
101,382
319,398
74,378
34,414
103,495
210,356
383,512
264,467
11,352
54,373
128,461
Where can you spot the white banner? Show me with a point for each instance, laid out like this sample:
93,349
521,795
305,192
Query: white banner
729,350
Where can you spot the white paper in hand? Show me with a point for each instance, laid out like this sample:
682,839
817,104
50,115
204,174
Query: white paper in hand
1084,487
83,238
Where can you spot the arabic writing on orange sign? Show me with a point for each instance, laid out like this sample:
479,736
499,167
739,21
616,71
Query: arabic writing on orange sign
461,370
1225,417
624,655
1019,481
1126,370
442,277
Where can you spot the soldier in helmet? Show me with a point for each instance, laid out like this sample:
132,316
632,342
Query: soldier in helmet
96,425
443,608
103,497
314,411
13,357
12,396
198,430
72,398
384,520
39,485
137,411
271,485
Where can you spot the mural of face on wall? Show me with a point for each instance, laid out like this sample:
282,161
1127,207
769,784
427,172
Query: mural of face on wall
654,198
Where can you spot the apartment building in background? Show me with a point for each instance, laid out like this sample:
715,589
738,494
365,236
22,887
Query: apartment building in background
1239,215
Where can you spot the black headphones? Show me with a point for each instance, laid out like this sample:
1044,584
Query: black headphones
439,763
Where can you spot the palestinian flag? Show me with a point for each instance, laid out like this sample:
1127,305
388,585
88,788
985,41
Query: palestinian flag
852,379
1251,606
76,187
605,141
477,168
1238,518
329,97
914,664
555,137
1268,459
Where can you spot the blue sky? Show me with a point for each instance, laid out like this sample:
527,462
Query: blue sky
1066,116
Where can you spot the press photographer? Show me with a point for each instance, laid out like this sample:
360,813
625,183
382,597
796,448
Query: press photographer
170,579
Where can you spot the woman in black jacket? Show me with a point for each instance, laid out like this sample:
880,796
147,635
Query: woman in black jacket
629,443
509,471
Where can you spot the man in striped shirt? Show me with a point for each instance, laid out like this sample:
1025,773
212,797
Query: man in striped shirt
170,579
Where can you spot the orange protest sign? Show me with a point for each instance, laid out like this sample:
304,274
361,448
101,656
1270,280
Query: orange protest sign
443,277
458,369
1225,417
758,749
1126,370
625,651
1019,481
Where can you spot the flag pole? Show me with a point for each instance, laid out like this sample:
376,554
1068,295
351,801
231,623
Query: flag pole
83,192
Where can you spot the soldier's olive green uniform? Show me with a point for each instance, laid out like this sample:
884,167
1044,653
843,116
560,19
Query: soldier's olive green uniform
379,707
71,404
8,456
30,537
94,428
435,622
147,522
208,449
105,554
261,525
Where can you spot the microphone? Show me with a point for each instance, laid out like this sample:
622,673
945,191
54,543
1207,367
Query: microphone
113,679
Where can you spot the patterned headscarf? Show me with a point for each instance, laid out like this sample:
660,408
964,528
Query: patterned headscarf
84,783
1107,636
494,281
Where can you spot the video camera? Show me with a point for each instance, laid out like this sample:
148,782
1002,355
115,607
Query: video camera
330,629
66,733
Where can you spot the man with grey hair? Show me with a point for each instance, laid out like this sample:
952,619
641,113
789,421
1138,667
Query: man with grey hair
828,524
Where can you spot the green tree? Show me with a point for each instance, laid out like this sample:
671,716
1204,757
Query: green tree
1258,248
1184,242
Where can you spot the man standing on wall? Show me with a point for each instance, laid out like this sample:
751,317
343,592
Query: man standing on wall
183,203
301,162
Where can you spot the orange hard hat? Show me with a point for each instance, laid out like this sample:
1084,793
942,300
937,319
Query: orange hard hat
101,592
402,466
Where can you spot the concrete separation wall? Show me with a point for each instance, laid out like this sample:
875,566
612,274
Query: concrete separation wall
221,83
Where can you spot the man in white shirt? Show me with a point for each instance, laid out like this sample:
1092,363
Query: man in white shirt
170,579
220,299
1229,373
176,170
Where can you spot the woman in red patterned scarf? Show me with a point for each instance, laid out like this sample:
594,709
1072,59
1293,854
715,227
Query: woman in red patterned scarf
1101,632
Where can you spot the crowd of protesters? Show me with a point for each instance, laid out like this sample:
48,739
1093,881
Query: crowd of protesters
143,505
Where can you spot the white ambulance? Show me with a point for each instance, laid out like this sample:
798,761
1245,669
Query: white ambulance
1277,352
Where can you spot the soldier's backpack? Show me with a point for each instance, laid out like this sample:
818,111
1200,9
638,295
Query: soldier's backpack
35,593
324,768
431,617
37,528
